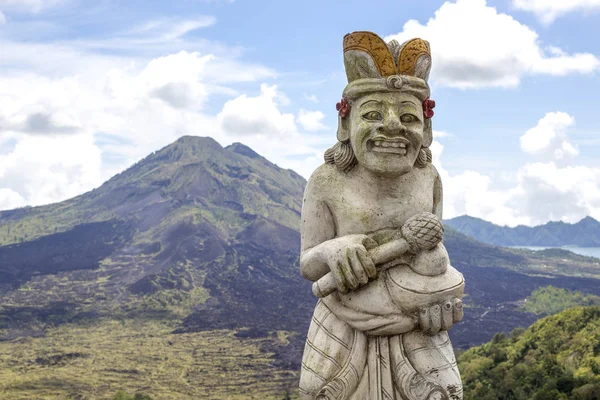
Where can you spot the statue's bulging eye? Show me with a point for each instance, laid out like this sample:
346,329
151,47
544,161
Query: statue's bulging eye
373,116
408,118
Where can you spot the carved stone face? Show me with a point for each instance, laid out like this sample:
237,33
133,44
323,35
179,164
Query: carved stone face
386,132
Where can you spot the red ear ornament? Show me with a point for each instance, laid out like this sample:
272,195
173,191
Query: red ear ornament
428,106
343,108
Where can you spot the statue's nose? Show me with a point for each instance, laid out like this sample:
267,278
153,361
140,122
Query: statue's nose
392,125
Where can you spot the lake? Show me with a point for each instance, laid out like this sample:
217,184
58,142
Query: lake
584,251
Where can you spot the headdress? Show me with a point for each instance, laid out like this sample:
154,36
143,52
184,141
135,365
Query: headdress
372,65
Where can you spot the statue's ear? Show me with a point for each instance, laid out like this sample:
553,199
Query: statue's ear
343,132
427,133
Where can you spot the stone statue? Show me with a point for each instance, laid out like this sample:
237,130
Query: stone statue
371,239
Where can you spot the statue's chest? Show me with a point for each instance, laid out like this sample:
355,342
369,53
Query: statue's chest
361,211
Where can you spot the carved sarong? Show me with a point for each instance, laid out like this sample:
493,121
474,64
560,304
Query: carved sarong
352,355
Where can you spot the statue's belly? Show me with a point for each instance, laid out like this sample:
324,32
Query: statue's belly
400,289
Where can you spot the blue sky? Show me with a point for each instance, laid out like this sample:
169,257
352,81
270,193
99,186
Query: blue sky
87,88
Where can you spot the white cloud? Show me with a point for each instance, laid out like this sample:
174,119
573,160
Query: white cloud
311,97
224,71
548,10
469,51
549,137
2,18
436,147
258,115
169,29
10,199
440,134
32,104
176,79
259,123
547,191
54,123
109,100
311,120
140,44
41,169
31,6
471,193
540,192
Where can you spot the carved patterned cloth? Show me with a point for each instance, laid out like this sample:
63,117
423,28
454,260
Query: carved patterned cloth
351,355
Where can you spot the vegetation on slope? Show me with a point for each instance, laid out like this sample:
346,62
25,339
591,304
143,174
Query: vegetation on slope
93,361
121,395
550,300
558,357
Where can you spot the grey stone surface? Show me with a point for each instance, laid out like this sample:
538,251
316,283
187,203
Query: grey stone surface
371,241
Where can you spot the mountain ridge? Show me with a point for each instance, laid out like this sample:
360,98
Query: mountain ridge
585,233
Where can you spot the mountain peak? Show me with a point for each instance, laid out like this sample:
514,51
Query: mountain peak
588,221
187,147
243,150
192,139
196,143
467,219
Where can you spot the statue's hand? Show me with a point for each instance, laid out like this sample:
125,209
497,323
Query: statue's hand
440,317
349,261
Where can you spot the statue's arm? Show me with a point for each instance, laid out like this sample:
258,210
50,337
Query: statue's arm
438,195
317,226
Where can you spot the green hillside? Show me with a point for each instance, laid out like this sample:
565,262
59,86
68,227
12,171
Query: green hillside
95,360
550,300
558,357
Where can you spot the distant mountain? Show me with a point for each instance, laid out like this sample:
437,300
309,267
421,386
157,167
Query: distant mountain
585,233
206,240
220,224
556,358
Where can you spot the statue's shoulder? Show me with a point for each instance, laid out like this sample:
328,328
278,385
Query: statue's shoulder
429,172
324,181
435,174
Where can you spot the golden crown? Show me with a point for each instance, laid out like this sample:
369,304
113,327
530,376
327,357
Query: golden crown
366,55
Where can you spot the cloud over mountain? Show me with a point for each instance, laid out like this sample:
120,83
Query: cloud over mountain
474,45
549,138
551,186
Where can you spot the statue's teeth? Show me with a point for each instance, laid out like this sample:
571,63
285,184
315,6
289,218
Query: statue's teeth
392,144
